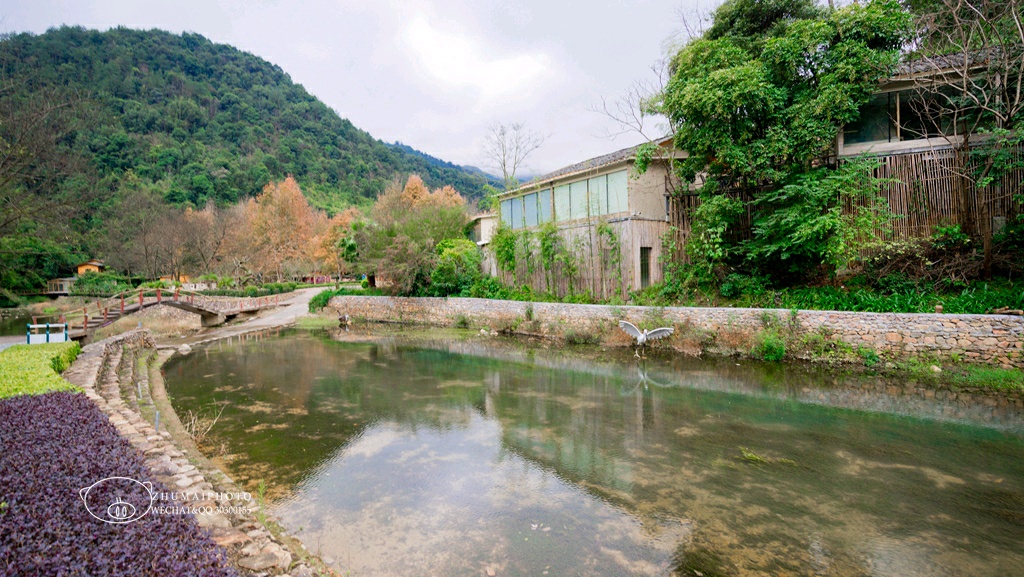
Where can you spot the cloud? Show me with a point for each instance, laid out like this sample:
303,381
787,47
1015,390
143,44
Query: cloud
453,60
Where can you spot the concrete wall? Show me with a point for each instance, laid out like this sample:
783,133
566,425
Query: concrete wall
997,339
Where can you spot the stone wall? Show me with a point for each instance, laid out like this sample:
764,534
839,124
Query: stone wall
997,339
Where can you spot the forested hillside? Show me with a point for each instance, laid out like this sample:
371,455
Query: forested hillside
208,121
97,125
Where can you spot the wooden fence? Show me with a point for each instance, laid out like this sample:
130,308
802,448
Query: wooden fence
921,193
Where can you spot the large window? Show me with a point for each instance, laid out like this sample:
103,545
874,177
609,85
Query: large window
898,116
544,206
562,204
530,210
597,196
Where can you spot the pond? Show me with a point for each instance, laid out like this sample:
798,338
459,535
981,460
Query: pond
469,456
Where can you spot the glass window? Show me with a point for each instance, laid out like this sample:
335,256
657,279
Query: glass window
875,122
617,187
562,204
506,212
578,196
599,195
544,206
517,212
530,210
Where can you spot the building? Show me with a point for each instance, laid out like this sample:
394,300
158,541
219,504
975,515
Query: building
610,220
906,130
92,265
60,286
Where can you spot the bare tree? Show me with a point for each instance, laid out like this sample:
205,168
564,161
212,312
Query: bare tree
507,146
968,79
637,110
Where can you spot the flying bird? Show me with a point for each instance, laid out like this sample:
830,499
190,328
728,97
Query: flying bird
642,337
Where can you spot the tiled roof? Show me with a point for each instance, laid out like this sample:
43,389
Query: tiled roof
591,164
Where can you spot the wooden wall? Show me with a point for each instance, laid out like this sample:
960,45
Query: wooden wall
599,272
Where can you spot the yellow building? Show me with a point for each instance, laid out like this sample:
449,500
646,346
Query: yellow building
90,266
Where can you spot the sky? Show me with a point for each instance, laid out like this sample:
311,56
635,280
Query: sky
434,75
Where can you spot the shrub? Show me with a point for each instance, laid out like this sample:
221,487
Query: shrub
100,283
769,346
320,300
365,283
573,337
457,267
34,369
251,291
53,445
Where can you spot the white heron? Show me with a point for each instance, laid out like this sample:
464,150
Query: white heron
642,337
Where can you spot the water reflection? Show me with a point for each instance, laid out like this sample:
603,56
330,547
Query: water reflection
401,460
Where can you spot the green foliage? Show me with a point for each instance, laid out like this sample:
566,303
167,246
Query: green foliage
100,284
810,223
35,369
457,268
950,237
204,121
769,346
757,103
503,243
323,298
709,242
550,246
364,284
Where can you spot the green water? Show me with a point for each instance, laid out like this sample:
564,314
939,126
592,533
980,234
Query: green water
401,459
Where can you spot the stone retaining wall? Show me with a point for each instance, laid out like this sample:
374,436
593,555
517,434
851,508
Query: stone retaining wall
997,339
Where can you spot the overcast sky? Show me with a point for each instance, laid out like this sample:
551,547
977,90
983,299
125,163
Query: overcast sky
431,74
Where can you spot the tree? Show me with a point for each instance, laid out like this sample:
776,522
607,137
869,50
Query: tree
398,242
757,103
281,227
969,87
507,147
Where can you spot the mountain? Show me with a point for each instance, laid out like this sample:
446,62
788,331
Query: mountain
197,121
490,178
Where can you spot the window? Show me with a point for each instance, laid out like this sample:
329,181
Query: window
544,206
517,212
617,187
645,267
578,196
562,203
506,212
530,210
599,195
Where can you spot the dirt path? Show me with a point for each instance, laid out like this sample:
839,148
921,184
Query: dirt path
11,341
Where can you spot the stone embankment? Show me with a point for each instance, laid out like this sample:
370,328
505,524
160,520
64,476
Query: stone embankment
995,339
115,374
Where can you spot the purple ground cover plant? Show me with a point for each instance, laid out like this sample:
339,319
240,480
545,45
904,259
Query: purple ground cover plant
51,447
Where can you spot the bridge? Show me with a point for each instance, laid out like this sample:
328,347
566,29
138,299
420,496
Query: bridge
213,310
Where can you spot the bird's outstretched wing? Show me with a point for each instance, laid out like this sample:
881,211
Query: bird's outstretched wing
630,329
660,333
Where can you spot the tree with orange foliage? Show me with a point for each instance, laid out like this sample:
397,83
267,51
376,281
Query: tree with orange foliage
405,226
329,249
281,227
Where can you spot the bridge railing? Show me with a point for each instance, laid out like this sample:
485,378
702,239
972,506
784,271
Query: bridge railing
140,298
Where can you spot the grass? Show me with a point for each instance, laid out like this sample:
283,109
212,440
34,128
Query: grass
988,378
35,369
313,322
